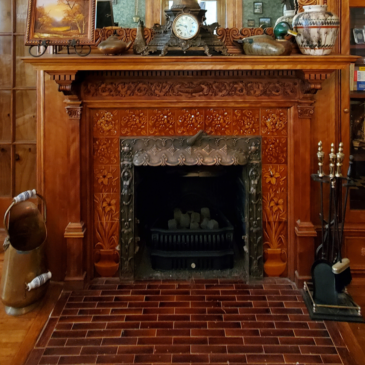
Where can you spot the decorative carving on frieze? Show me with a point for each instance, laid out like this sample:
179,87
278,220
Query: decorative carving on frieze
106,123
274,122
191,89
133,122
305,112
189,121
274,150
161,122
106,151
218,122
246,122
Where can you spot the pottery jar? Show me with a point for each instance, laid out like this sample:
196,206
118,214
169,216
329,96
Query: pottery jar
287,17
317,30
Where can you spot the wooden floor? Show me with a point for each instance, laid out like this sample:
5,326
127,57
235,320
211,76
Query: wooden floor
18,335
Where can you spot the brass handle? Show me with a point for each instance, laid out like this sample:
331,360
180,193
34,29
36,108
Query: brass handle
346,111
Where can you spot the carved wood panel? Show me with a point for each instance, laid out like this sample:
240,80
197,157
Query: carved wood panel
271,123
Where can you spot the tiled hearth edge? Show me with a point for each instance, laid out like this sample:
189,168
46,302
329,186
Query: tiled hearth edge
187,322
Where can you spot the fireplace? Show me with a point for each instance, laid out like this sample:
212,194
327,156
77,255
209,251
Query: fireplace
213,175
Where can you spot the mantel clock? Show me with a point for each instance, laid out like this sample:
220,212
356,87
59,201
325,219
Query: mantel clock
185,31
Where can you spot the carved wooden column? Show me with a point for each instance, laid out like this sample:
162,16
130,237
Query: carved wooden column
75,230
304,228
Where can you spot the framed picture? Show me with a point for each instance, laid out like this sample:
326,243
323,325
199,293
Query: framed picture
257,8
251,23
266,22
104,14
359,35
59,21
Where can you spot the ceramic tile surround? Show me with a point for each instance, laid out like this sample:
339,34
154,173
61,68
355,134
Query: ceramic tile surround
186,322
124,10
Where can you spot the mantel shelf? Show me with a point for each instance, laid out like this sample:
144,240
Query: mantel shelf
66,63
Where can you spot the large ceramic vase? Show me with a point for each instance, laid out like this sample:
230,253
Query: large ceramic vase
274,265
317,30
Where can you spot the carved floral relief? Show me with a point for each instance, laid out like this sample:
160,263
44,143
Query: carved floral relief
246,122
274,150
133,122
106,179
189,121
161,122
274,122
106,151
218,122
106,123
274,177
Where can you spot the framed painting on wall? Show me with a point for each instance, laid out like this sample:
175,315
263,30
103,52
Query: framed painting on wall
258,8
266,22
59,21
251,23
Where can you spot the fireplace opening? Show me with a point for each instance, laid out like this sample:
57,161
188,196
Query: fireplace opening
190,219
191,207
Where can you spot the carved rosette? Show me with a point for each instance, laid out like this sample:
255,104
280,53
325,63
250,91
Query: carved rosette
274,122
305,112
218,122
189,121
133,122
274,150
246,122
161,122
106,151
106,123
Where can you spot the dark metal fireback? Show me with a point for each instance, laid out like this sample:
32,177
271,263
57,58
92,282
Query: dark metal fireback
199,150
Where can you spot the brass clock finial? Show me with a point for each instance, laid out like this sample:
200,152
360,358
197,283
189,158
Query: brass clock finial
192,4
320,156
332,161
340,158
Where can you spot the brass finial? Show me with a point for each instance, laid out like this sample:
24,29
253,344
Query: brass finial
332,161
340,158
320,156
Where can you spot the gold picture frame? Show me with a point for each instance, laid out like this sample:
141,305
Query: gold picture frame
59,21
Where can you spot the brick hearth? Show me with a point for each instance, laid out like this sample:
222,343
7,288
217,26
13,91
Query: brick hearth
200,321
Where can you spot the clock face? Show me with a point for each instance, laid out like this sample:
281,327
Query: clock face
185,26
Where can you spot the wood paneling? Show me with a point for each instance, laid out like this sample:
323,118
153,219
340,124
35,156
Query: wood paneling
25,171
25,115
5,168
5,61
5,16
5,116
25,75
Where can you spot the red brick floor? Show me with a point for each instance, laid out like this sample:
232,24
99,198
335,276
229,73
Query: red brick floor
191,322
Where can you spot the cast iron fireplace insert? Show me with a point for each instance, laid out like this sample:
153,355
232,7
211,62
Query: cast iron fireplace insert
162,174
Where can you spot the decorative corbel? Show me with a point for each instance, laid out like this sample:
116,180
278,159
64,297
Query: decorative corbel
65,81
313,80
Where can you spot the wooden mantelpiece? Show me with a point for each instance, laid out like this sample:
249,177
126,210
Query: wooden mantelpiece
65,64
67,139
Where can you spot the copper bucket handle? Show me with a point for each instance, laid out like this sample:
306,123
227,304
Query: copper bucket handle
21,198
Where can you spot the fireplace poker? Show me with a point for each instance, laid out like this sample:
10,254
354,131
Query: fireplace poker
329,248
320,156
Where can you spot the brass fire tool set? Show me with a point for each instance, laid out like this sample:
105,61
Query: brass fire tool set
326,297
